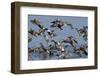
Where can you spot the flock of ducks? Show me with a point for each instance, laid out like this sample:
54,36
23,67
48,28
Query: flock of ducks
57,45
59,24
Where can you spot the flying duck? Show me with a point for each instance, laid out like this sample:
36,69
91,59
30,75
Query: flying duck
34,33
57,23
58,45
82,48
70,40
50,32
38,23
82,31
69,24
45,50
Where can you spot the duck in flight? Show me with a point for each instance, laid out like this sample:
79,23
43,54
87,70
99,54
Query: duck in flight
57,23
69,24
50,32
58,45
42,28
70,40
82,48
38,23
42,46
83,32
60,24
32,32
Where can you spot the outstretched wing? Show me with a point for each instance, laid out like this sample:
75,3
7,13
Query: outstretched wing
70,25
37,22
